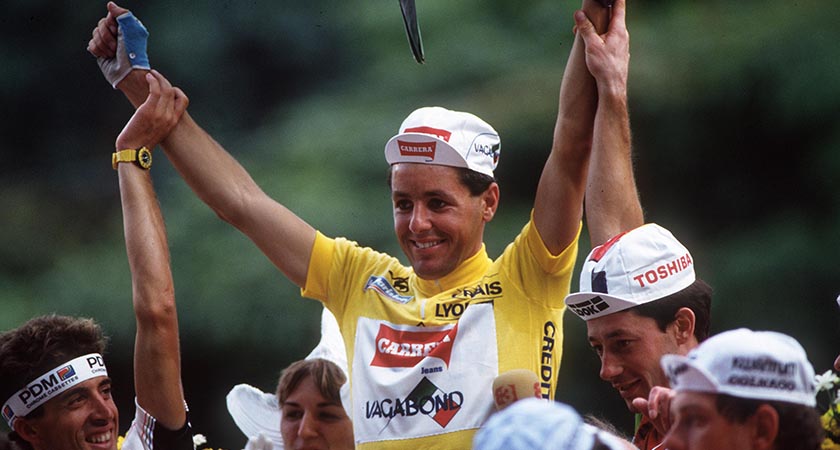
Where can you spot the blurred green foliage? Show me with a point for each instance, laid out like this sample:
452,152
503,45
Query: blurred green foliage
735,109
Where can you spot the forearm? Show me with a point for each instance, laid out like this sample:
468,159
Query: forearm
558,206
612,201
224,185
157,369
578,92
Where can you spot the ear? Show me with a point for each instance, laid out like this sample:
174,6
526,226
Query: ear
26,430
490,199
766,423
684,321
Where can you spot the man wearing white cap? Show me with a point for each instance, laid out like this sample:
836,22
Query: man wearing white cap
640,299
746,390
54,384
424,342
638,291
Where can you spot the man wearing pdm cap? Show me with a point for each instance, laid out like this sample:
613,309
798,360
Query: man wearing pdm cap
750,390
424,342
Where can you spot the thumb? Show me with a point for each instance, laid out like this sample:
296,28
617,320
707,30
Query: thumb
640,405
583,25
116,10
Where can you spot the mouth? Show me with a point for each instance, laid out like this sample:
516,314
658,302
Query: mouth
99,438
425,245
626,389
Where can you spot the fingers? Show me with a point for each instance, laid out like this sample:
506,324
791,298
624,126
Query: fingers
115,10
584,26
619,11
103,42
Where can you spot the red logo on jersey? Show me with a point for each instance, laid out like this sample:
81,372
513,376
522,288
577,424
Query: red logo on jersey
442,134
401,348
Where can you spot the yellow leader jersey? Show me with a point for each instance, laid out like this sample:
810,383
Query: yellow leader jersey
422,354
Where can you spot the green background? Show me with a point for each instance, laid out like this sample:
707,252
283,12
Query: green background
734,107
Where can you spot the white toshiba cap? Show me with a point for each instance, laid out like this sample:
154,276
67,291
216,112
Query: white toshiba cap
633,268
435,135
760,365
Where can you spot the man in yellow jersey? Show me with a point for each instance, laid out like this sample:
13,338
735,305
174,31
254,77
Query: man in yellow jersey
424,342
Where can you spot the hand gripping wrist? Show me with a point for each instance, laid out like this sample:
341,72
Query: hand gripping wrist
131,50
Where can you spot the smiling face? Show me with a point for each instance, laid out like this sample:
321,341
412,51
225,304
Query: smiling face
436,220
82,418
630,347
312,422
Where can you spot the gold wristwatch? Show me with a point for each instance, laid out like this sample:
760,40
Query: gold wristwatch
142,156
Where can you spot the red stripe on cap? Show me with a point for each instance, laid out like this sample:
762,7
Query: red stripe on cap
442,134
600,250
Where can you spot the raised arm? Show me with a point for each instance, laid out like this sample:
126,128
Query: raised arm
216,177
612,201
558,206
157,362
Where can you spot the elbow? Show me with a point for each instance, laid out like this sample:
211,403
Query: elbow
237,207
155,306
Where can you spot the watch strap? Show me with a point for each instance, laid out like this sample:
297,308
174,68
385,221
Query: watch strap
142,156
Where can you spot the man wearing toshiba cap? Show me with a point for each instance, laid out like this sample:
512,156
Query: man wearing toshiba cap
640,299
750,390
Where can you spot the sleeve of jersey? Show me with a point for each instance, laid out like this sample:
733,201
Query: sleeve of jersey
543,277
338,267
557,265
318,274
146,434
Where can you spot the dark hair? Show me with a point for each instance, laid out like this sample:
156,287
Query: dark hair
799,425
42,344
475,182
326,375
697,297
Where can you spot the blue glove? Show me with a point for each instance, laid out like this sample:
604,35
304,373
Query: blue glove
131,50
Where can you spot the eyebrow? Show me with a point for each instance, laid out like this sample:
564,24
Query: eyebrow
621,332
80,389
319,405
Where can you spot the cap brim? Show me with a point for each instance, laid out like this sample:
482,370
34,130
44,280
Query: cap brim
255,412
592,305
445,154
692,378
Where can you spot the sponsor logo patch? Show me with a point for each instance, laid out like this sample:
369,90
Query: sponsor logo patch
589,307
65,372
425,399
402,348
419,149
7,413
384,288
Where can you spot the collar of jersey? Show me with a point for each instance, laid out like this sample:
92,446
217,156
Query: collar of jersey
469,271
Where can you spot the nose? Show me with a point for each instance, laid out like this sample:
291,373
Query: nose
420,220
308,426
104,409
610,368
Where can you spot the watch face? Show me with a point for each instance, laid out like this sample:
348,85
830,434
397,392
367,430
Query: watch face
144,158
